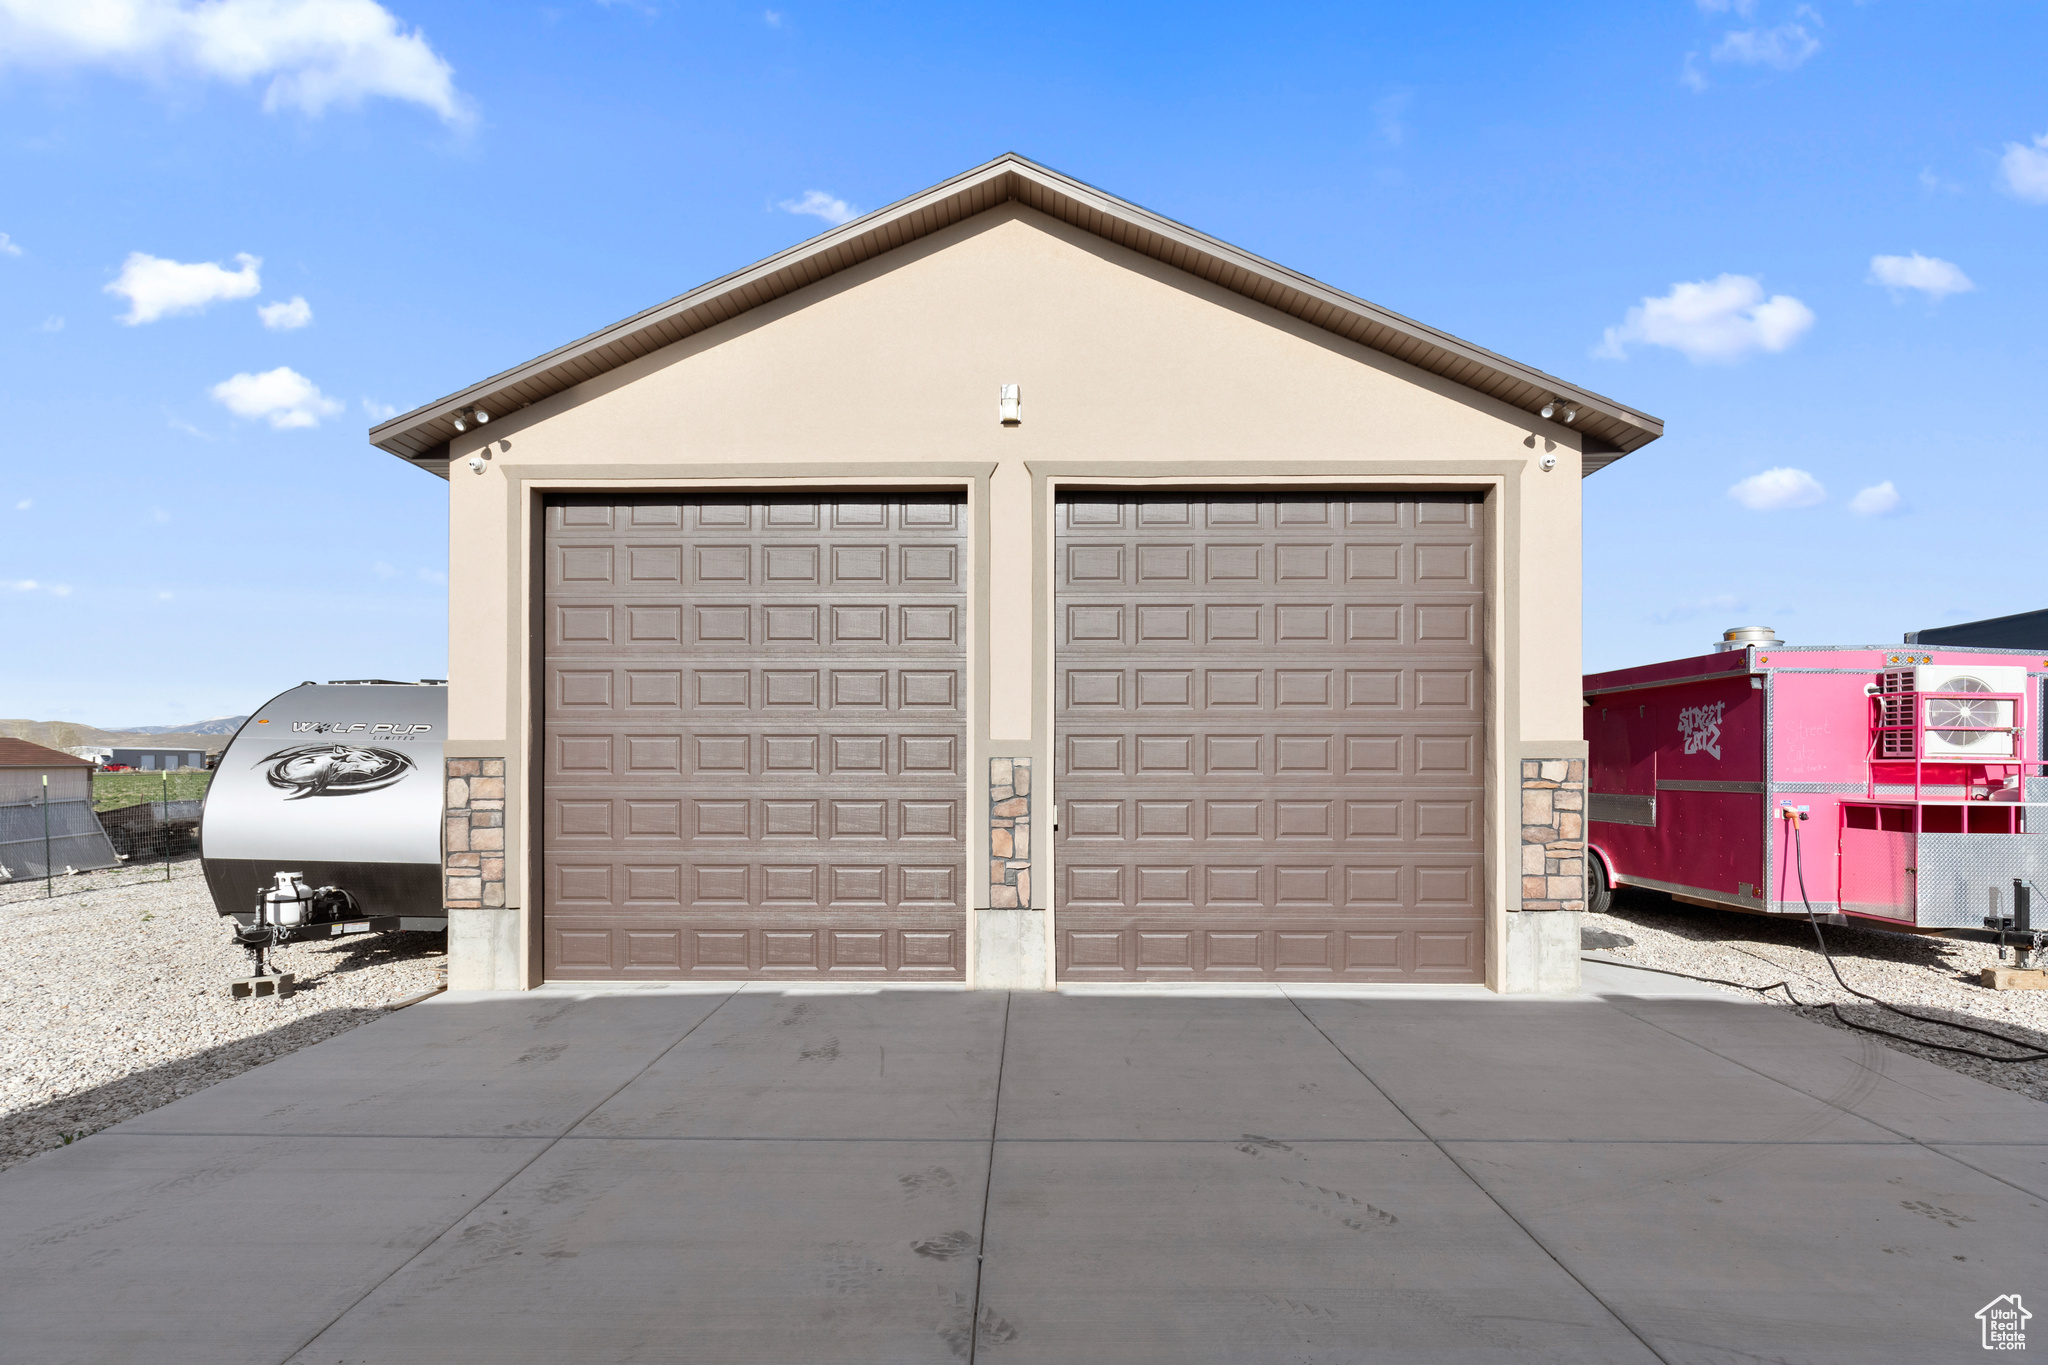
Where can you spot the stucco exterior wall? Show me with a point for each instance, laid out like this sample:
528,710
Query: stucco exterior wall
1130,371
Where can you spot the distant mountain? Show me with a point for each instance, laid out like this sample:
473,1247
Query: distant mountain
219,725
64,734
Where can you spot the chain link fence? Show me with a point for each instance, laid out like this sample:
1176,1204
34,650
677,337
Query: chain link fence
135,827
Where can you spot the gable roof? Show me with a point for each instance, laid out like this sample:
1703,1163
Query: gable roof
21,753
1610,430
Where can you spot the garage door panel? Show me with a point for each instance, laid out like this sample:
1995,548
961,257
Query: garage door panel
755,738
1270,736
655,949
1386,951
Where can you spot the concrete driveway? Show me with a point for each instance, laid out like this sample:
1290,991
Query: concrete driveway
1646,1172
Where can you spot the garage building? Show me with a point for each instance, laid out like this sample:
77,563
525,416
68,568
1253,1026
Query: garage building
1013,586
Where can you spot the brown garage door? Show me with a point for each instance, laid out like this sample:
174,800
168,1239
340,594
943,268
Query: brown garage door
754,737
1270,737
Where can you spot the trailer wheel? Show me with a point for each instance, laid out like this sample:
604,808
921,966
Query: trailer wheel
1599,896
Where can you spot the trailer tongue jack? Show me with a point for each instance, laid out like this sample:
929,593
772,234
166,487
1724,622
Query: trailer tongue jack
279,912
2019,925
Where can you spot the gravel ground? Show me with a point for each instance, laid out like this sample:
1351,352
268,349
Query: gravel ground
1938,977
115,1001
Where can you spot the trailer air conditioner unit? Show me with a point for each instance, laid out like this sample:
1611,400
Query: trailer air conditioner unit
1952,726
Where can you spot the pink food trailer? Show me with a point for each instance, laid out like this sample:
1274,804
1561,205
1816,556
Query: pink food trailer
1919,769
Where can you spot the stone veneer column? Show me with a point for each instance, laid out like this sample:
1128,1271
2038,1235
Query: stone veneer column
1009,936
1009,833
474,842
1553,834
1543,936
483,932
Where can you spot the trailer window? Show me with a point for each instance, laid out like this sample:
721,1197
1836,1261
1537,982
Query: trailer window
1860,817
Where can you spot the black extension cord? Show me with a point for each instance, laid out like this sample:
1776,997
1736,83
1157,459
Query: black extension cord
1799,858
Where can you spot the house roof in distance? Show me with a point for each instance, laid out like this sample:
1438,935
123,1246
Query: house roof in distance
1609,429
2026,630
20,753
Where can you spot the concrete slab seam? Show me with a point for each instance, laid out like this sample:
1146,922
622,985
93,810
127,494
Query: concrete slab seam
492,1193
1798,1090
1232,1141
1492,1198
988,1184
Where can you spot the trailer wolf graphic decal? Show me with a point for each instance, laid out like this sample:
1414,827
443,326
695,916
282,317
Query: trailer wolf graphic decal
1701,726
333,770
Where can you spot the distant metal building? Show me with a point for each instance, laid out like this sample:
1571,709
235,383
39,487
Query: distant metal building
46,816
154,760
2027,630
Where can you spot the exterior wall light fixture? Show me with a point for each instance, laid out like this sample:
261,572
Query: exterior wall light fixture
1009,407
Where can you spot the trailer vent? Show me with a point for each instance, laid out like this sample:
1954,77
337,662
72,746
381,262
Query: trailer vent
1956,726
1896,714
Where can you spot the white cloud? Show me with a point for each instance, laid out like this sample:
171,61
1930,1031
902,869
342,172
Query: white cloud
180,424
1745,8
163,597
434,576
285,317
283,395
53,323
24,504
1721,319
772,18
1774,490
155,287
1690,76
1934,184
7,246
1783,47
2026,169
159,516
1879,500
819,204
383,570
30,585
378,412
313,53
1930,275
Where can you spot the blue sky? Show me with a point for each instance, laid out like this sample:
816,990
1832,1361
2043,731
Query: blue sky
1679,204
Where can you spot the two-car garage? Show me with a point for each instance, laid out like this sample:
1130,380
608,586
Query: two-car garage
1010,587
1268,749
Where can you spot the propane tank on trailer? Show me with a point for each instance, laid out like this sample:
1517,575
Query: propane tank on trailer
287,903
